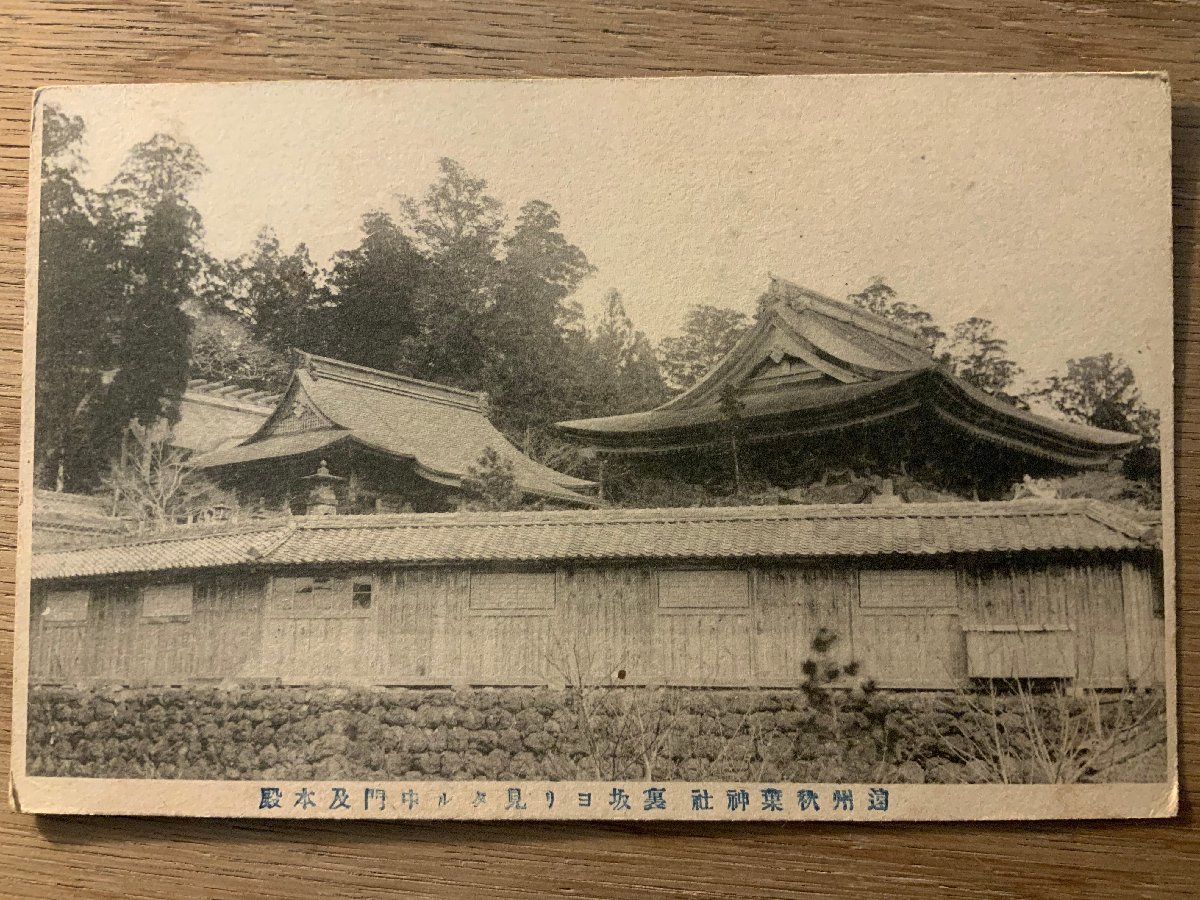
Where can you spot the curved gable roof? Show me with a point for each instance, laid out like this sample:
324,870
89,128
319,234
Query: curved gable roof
871,369
846,343
442,430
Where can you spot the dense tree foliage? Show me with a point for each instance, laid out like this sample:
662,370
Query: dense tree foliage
707,334
163,256
1101,391
880,298
619,363
116,269
374,317
278,295
446,287
79,293
975,353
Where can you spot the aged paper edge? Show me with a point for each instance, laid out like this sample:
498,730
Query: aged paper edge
433,800
206,799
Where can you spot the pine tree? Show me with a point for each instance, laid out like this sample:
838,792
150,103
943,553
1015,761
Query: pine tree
880,298
624,367
115,269
279,295
975,353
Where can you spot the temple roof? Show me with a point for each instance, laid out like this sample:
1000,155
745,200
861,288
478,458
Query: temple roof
441,430
708,533
72,519
814,365
216,414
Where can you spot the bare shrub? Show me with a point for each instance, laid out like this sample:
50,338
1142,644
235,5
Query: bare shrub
154,484
1010,733
625,730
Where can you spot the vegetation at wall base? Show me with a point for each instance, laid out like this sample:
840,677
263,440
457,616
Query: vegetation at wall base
637,732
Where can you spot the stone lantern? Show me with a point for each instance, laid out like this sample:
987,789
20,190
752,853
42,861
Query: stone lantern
322,498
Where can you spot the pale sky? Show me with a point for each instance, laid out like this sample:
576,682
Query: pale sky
1040,202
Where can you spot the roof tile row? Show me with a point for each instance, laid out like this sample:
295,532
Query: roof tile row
581,535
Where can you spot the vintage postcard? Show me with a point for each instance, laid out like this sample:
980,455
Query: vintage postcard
738,448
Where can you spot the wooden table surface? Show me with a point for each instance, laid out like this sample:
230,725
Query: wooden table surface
46,42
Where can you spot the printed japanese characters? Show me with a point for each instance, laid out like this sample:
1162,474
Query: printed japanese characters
719,448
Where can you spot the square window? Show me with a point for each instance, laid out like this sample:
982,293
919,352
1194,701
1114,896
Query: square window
908,589
321,597
512,591
66,607
360,596
701,589
167,601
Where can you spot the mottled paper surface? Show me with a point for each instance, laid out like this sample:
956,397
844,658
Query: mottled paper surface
801,651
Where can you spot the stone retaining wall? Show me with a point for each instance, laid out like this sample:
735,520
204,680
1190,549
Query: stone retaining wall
296,733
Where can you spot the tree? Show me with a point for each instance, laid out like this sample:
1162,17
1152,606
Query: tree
976,354
456,227
1101,391
163,258
115,269
491,485
973,351
279,295
619,363
154,485
222,348
80,294
458,223
448,292
533,333
376,314
707,335
880,298
625,360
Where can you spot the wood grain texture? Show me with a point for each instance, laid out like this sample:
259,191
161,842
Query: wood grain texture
46,42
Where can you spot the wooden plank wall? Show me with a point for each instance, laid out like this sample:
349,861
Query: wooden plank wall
606,624
791,605
911,640
221,639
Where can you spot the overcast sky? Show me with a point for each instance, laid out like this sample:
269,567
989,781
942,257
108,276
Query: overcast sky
1041,203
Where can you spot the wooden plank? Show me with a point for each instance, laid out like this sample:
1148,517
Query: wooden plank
1143,627
927,651
1100,627
791,605
602,629
706,648
1021,653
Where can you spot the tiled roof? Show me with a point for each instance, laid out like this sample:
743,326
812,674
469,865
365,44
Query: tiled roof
700,533
874,370
61,519
275,447
833,404
234,394
216,414
181,548
442,429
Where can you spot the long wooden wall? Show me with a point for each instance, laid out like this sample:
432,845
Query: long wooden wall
1098,623
114,642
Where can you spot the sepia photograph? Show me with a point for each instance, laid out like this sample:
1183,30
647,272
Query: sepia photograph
791,447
